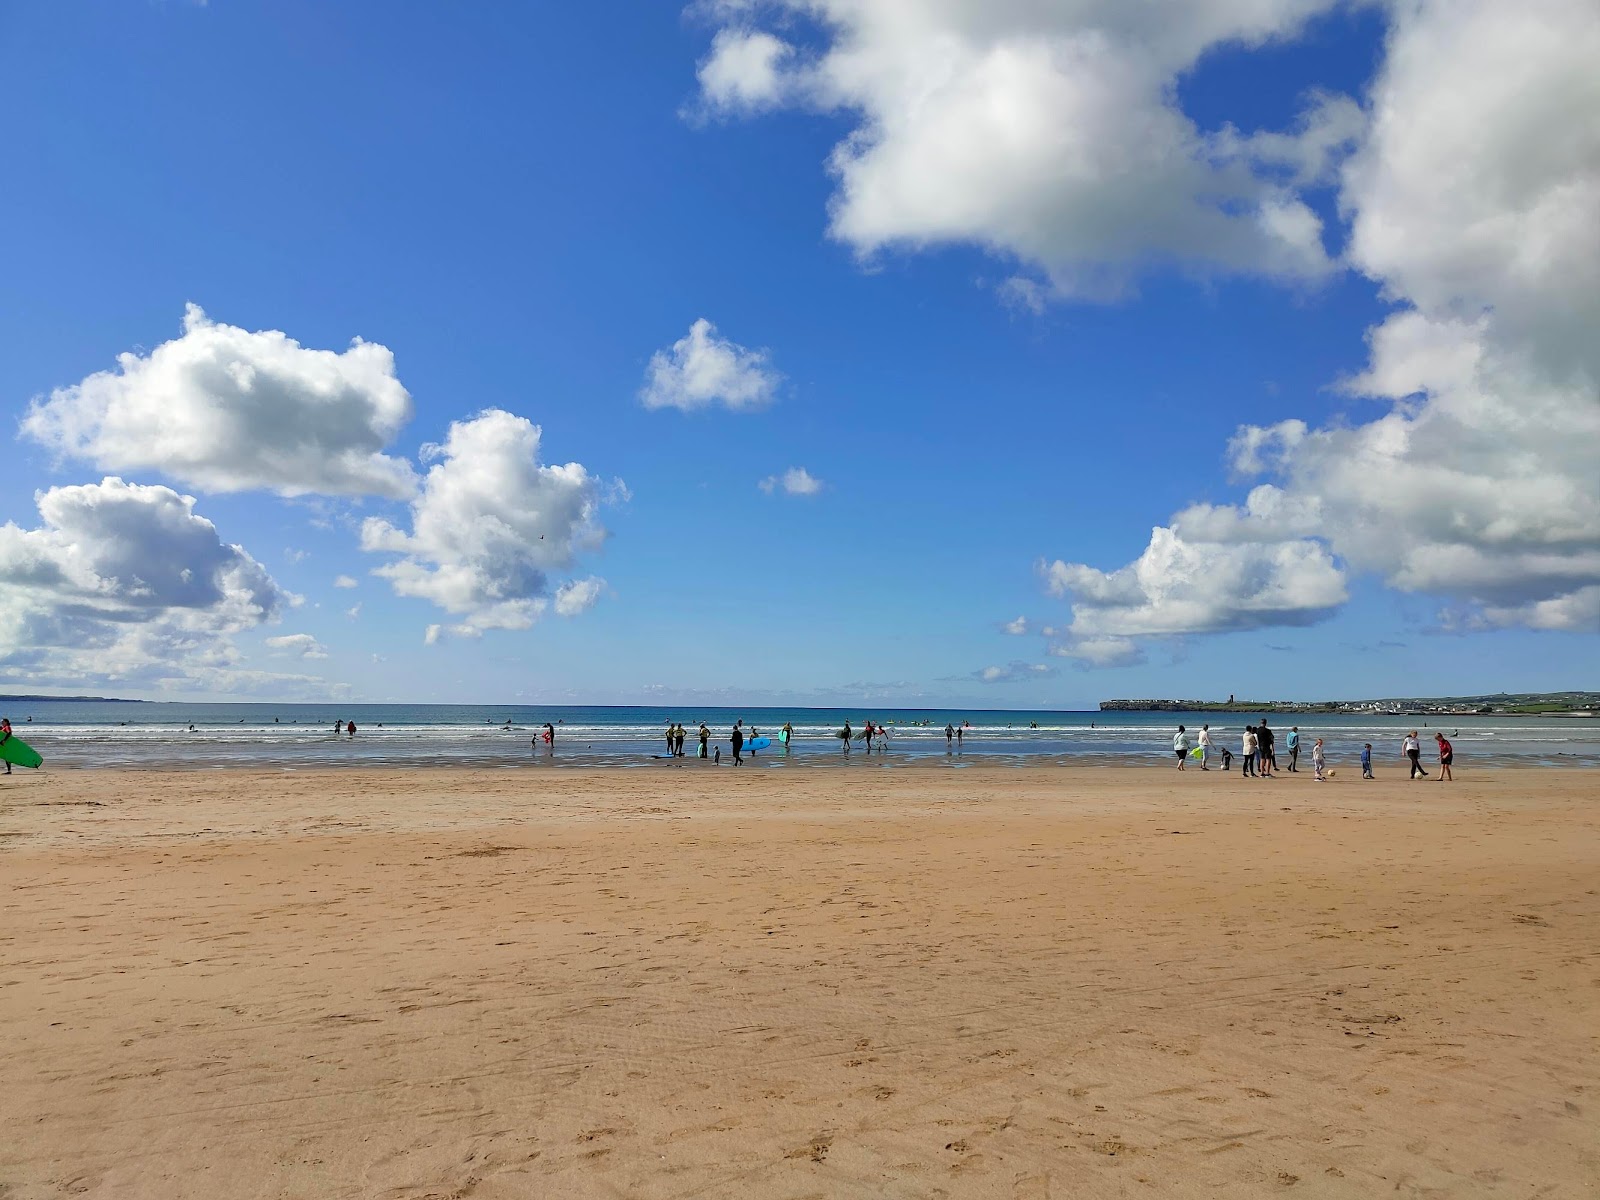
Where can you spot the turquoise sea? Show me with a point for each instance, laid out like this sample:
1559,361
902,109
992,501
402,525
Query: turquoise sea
126,735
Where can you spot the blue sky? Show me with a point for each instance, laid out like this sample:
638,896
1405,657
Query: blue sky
1007,285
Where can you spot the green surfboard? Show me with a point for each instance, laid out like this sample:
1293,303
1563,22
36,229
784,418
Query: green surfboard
16,751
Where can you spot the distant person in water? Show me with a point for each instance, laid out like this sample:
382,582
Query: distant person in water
949,737
961,732
787,734
350,728
1447,756
672,738
549,735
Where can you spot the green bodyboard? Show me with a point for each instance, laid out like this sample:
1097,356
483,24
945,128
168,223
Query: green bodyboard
17,752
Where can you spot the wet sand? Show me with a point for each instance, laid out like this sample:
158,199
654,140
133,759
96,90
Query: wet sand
988,982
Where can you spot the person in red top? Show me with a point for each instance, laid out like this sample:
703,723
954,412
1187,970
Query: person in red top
1446,754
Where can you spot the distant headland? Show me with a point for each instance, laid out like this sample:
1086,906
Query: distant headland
13,698
1514,704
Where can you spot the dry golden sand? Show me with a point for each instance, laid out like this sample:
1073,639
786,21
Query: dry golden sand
685,983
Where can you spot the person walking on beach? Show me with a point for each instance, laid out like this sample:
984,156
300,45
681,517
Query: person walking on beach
1293,743
1447,755
1317,761
866,732
1205,747
5,736
1180,746
846,735
1247,748
1413,751
1266,754
705,738
1366,761
737,739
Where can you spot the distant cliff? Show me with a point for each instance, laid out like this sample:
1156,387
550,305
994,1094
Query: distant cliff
1577,704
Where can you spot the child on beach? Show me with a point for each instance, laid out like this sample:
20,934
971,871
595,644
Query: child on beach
1446,757
1318,762
1366,762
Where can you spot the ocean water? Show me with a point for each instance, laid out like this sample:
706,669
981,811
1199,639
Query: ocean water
135,735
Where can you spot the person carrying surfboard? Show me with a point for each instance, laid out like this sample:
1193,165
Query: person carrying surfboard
5,736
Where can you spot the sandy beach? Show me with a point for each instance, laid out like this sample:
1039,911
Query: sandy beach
988,982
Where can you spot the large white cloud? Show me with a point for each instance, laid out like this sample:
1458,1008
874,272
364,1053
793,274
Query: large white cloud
490,525
1473,202
126,584
1178,586
702,369
1048,132
224,409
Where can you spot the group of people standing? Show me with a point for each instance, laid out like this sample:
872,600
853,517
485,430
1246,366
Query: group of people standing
1259,757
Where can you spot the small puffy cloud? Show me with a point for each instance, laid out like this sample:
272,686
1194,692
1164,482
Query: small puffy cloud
345,581
125,584
1014,672
743,71
1178,587
1049,134
1100,652
578,596
301,645
228,410
702,369
490,525
796,481
353,611
1017,627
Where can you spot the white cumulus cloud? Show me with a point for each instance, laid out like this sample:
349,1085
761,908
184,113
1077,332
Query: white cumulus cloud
742,72
1472,202
1100,652
126,584
578,596
1047,133
489,526
301,645
702,369
226,410
1014,672
345,581
796,481
1179,587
